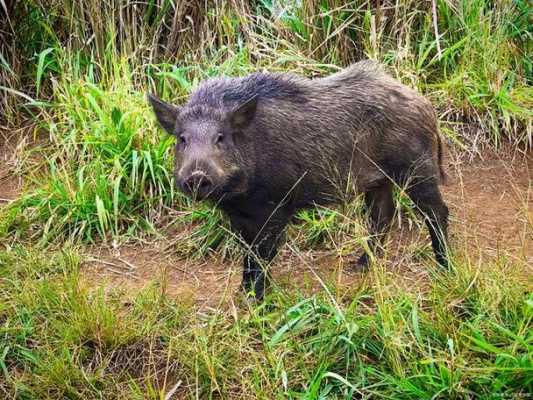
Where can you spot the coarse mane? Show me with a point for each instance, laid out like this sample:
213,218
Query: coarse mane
226,93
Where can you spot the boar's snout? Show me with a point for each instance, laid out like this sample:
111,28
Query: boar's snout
197,184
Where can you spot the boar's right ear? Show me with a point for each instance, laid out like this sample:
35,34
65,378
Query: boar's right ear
165,113
243,114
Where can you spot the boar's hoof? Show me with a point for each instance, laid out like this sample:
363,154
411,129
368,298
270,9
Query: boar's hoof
249,298
252,295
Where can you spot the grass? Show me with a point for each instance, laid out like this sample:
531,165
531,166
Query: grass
467,336
108,164
98,171
107,168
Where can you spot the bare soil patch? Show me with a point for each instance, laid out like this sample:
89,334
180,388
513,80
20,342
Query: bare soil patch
10,183
132,267
491,206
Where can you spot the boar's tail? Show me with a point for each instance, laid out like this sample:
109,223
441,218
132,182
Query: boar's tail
440,156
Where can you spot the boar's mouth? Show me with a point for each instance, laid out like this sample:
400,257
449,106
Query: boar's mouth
229,187
232,186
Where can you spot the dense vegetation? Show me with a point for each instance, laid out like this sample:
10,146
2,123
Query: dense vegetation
73,79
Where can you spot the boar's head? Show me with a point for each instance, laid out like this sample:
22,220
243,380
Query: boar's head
212,155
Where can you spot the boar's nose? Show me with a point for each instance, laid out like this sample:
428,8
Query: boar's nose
198,184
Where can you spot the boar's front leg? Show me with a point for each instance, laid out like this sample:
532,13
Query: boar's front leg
262,233
426,195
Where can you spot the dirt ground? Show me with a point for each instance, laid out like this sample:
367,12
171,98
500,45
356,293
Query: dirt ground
10,183
491,206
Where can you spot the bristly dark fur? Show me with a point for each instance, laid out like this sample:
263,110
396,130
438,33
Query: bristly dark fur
229,92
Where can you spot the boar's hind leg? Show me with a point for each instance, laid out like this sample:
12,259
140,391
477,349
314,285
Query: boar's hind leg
262,236
426,195
380,207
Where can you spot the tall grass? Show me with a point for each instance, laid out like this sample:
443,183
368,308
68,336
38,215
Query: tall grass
86,67
108,160
481,59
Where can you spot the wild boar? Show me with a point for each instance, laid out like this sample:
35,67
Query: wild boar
266,145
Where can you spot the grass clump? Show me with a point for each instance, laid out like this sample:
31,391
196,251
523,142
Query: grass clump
109,168
59,339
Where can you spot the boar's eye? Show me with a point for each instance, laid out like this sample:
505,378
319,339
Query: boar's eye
181,139
219,139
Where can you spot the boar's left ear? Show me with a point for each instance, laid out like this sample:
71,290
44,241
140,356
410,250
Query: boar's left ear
243,114
165,113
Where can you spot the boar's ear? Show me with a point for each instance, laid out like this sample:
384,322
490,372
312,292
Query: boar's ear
165,113
243,114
